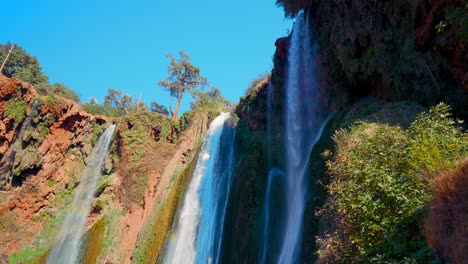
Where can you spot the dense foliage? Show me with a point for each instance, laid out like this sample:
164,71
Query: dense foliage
16,109
25,67
379,186
21,65
157,108
209,101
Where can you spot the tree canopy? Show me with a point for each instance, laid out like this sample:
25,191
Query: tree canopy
22,65
157,108
212,100
183,77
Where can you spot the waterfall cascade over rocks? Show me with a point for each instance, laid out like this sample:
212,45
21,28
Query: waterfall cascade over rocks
198,232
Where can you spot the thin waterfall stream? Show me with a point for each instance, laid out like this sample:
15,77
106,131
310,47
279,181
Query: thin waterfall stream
304,121
67,249
198,232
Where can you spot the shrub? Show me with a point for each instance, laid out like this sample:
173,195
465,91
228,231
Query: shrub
98,109
185,120
373,191
62,90
16,109
166,129
437,140
377,191
136,143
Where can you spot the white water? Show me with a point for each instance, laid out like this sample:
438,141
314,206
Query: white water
198,233
303,124
66,251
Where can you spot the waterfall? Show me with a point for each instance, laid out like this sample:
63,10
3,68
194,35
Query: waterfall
198,231
67,249
304,121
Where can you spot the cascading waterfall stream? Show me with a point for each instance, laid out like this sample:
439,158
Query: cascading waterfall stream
304,121
198,231
67,249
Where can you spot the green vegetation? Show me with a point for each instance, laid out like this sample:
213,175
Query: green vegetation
437,141
116,104
153,236
144,140
455,22
183,77
7,221
61,90
160,109
17,109
186,119
29,255
209,101
379,187
22,65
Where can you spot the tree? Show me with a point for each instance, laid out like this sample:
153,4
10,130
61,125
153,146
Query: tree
62,90
210,101
183,77
118,99
21,65
157,108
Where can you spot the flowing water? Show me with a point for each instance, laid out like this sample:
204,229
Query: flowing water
304,120
198,231
67,249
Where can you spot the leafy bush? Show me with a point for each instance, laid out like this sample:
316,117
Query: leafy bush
98,109
377,190
62,90
185,120
136,143
437,141
16,109
166,129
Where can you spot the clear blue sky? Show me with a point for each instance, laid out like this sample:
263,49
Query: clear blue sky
93,45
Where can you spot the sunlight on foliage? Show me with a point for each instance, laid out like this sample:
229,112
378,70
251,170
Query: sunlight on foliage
378,191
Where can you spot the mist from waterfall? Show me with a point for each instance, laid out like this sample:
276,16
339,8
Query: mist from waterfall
66,251
198,232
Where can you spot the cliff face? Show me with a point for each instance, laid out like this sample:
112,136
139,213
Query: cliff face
44,146
393,50
43,143
372,56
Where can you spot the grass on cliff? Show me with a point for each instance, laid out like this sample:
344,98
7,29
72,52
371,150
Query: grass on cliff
146,141
17,109
380,187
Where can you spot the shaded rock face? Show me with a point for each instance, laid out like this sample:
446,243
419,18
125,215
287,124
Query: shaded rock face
43,154
445,43
392,50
